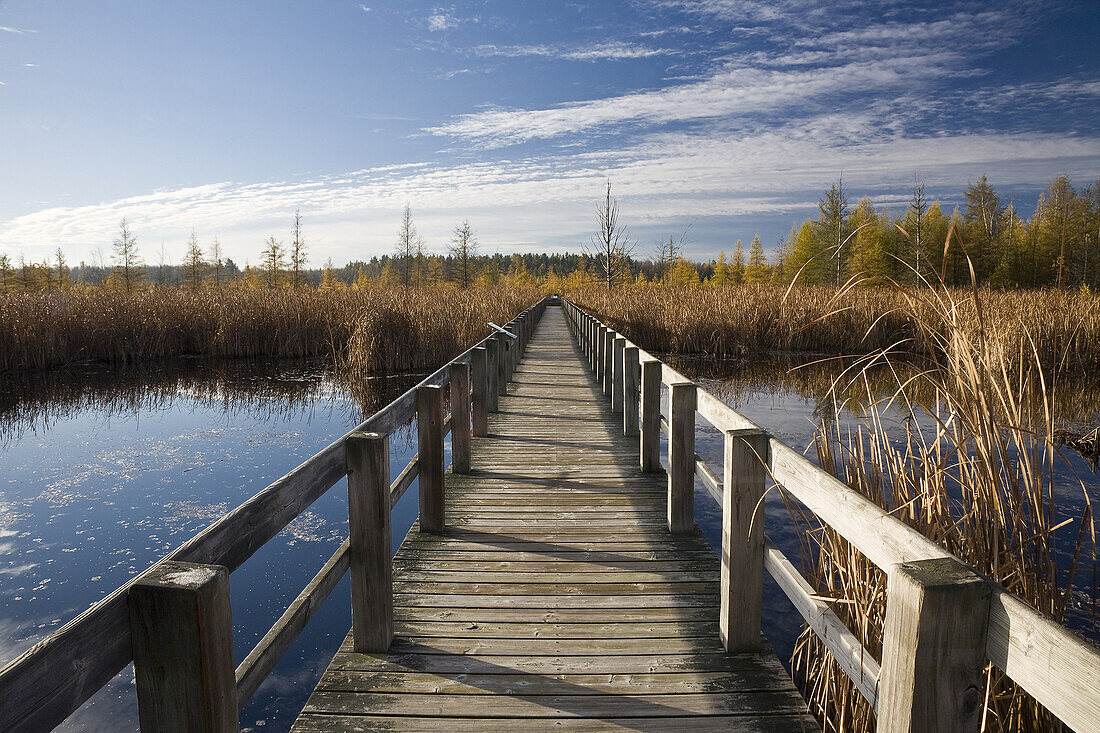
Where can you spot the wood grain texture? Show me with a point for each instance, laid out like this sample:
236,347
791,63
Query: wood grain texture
933,648
460,417
429,429
555,596
681,458
368,456
479,387
745,475
182,636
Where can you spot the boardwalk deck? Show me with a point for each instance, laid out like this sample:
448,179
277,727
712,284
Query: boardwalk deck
556,596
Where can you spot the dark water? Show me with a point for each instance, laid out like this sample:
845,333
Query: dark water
103,471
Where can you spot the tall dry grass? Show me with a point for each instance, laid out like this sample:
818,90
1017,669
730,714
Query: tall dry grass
373,329
736,321
978,473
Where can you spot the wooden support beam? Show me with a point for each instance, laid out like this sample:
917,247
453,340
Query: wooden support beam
617,381
479,382
460,417
651,417
182,636
368,461
630,391
933,652
744,480
601,343
429,423
681,458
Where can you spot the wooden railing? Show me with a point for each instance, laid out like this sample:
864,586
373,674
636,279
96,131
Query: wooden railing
173,621
943,620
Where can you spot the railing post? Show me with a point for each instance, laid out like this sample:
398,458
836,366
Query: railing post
650,448
681,457
460,417
599,345
744,481
492,374
630,391
513,350
429,423
617,381
371,555
182,636
933,648
479,381
502,365
608,361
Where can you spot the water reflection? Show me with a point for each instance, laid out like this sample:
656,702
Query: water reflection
103,471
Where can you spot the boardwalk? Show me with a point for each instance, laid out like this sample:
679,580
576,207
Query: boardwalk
556,597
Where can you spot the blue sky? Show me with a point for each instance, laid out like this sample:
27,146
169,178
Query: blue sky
720,117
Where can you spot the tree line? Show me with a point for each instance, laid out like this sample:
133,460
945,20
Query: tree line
984,238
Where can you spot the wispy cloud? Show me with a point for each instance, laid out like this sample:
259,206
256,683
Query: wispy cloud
442,20
608,50
19,31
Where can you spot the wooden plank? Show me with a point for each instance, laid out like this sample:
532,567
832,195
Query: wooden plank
519,611
744,481
794,723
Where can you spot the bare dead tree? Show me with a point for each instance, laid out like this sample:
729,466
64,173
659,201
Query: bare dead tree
406,245
128,263
611,245
217,261
914,220
298,255
463,248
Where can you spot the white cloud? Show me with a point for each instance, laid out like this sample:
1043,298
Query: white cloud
364,8
19,31
442,20
609,50
545,202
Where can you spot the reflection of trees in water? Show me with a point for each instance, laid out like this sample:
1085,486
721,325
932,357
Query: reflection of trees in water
821,380
260,389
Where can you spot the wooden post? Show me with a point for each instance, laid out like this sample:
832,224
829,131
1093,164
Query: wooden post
460,417
681,458
617,380
744,480
182,636
608,373
479,381
502,365
630,391
650,448
492,374
933,650
600,342
368,462
429,423
512,350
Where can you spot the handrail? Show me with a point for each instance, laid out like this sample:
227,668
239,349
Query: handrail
48,682
1053,665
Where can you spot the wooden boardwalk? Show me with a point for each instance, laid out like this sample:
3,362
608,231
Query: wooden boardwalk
556,598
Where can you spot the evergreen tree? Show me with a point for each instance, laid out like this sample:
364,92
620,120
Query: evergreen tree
868,255
737,268
721,271
913,224
407,240
804,263
62,270
757,269
832,222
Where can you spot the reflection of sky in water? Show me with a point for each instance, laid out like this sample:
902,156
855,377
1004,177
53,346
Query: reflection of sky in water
95,496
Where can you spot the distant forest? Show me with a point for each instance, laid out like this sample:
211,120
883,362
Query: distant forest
1058,246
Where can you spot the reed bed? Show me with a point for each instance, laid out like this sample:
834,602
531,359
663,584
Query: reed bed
976,473
369,330
737,321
